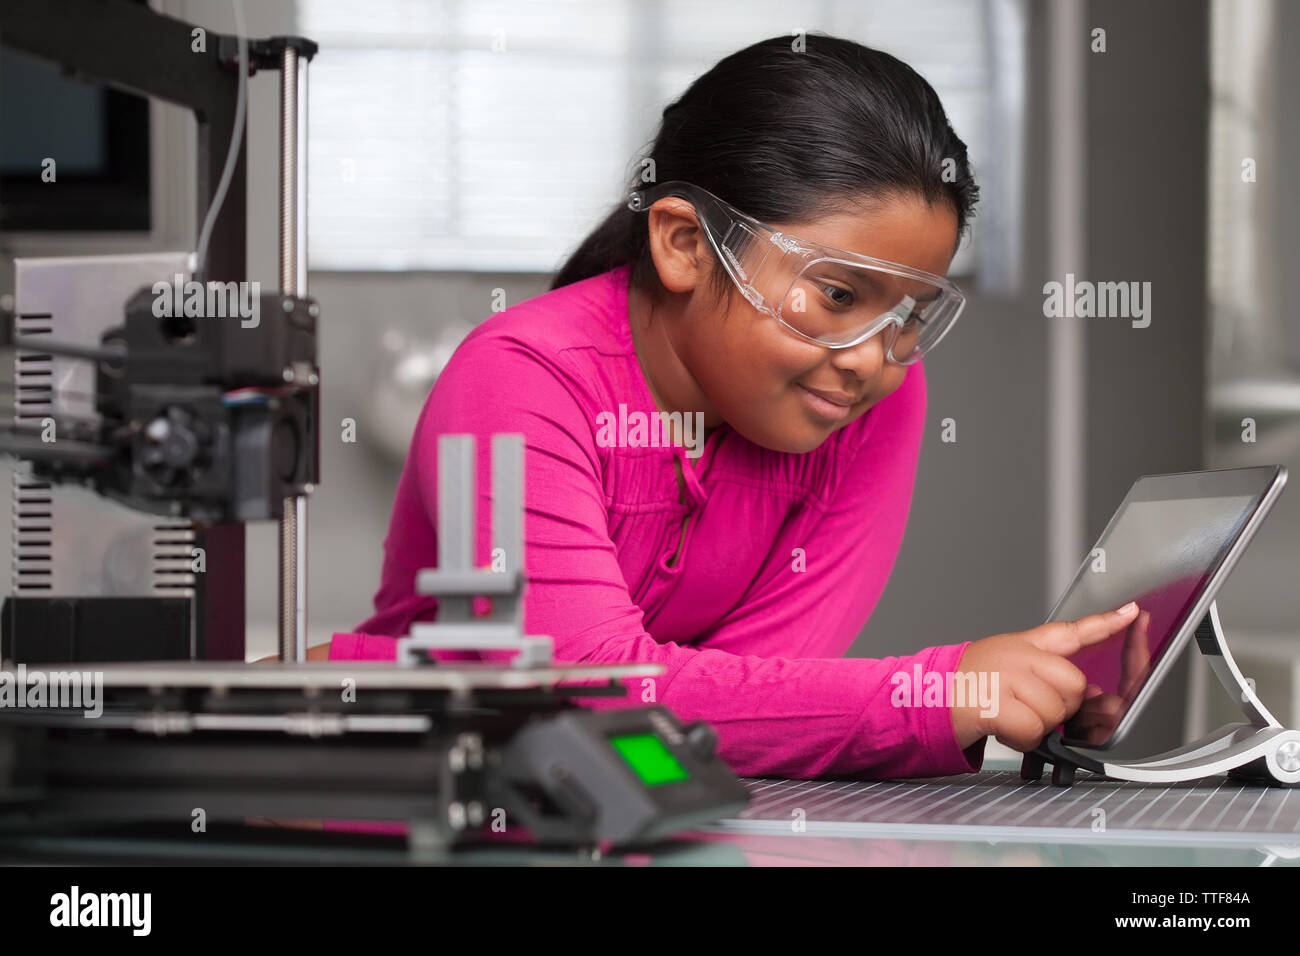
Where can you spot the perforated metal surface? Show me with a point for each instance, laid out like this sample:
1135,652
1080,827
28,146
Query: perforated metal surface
70,541
997,805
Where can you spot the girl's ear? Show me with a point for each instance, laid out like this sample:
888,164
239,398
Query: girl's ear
678,245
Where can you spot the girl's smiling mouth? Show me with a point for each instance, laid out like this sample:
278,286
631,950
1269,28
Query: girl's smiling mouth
832,406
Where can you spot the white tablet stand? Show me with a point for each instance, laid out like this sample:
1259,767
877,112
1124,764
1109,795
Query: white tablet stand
1261,750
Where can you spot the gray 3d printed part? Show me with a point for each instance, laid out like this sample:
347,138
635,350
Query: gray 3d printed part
457,581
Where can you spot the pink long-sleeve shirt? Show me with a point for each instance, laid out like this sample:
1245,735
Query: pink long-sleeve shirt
782,561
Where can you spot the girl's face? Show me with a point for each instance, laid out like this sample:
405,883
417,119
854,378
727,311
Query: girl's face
740,365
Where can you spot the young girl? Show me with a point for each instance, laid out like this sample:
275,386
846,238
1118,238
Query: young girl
776,276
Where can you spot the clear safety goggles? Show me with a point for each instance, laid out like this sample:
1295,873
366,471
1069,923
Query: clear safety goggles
829,296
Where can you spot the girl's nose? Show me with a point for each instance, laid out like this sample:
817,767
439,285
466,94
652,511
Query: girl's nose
866,359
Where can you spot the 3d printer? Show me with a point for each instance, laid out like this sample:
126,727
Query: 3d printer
164,382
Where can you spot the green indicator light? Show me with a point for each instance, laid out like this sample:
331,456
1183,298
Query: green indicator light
649,758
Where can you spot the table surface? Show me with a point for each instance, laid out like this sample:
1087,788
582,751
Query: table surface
998,805
995,817
987,819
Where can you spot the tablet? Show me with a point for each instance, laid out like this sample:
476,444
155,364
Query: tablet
1169,546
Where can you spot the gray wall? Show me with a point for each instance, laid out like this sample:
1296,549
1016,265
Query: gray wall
972,564
1148,128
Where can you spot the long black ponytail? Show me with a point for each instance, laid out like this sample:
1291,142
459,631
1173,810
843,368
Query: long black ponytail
788,135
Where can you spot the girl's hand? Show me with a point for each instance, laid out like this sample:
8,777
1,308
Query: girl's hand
1102,712
1037,688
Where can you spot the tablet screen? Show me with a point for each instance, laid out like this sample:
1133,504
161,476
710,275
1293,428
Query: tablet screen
1160,553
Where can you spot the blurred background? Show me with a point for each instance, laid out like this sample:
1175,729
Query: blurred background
459,150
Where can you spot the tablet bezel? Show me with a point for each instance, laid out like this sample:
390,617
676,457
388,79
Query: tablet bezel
1228,482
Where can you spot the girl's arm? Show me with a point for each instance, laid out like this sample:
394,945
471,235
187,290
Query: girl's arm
321,652
777,716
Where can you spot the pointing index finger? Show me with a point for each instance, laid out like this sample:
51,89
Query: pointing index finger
1068,637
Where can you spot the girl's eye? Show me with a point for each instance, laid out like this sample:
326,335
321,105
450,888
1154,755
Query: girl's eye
840,297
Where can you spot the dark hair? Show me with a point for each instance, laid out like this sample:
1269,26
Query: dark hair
788,136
